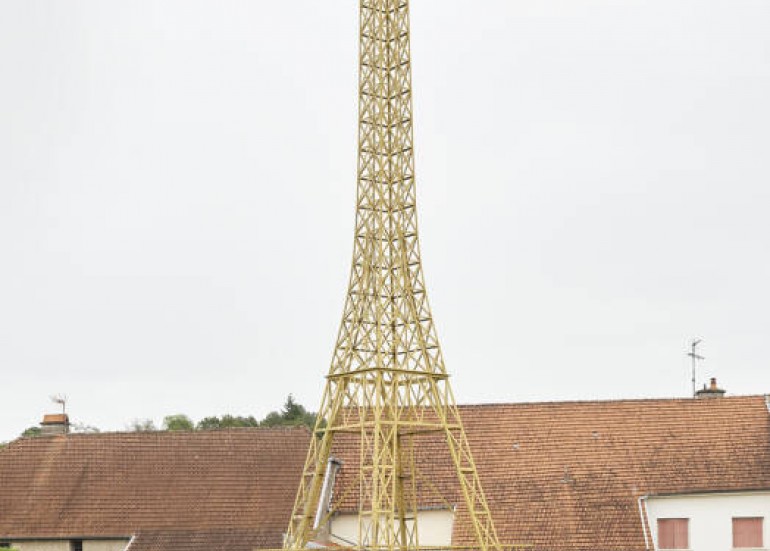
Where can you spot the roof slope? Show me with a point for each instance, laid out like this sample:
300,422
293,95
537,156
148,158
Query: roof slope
567,476
239,482
579,467
562,476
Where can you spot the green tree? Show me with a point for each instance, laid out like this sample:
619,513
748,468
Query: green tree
237,421
292,414
141,425
178,422
226,422
273,419
209,423
32,432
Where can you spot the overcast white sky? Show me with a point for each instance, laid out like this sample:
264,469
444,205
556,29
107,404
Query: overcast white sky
177,182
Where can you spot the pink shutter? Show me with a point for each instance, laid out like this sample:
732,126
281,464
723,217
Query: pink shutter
747,532
673,533
681,533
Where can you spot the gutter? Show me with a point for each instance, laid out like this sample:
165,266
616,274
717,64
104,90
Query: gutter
736,491
643,517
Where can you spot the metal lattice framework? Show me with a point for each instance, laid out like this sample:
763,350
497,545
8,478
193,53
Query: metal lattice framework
387,382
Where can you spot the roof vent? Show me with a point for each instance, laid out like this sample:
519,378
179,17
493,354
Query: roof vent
713,391
55,423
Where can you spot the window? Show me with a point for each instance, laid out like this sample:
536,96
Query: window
673,533
747,532
76,545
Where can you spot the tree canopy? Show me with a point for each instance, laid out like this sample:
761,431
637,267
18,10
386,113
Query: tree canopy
31,432
291,414
141,425
178,422
226,422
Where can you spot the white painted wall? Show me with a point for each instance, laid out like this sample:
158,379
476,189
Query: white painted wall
64,545
711,516
41,545
105,545
435,527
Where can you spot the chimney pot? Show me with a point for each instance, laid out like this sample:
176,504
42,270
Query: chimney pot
712,391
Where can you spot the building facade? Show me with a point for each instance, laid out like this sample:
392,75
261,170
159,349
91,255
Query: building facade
714,521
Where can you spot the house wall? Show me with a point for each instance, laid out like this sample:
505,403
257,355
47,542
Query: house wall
711,524
435,527
105,545
41,545
64,545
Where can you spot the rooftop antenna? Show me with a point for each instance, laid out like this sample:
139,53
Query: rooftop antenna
60,399
694,357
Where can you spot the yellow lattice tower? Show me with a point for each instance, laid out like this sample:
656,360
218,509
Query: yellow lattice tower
387,381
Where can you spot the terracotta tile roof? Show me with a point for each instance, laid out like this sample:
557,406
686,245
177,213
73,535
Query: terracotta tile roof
562,476
566,476
236,483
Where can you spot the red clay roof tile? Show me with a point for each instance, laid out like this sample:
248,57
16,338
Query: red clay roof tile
123,483
567,475
562,476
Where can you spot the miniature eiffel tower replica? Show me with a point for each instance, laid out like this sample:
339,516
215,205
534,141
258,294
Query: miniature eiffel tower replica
387,382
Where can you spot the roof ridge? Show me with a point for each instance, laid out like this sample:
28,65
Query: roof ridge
156,433
682,399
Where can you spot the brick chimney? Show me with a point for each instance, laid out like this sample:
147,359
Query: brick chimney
712,391
55,423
